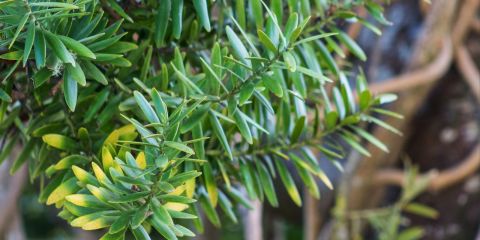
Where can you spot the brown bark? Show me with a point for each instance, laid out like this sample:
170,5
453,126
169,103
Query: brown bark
423,76
469,71
438,180
311,219
9,201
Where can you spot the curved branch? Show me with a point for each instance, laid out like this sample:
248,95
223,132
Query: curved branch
439,66
464,20
449,177
476,24
439,179
469,71
422,76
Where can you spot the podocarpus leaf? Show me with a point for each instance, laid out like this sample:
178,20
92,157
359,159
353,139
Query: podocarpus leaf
66,188
288,182
84,177
105,43
351,45
7,149
69,161
161,212
96,105
132,197
139,217
184,232
290,61
77,47
179,146
65,6
209,210
274,85
183,177
29,42
4,96
146,107
238,47
376,11
129,158
177,18
202,11
196,118
6,3
421,210
372,139
218,130
39,49
210,183
22,157
161,21
160,106
240,11
243,126
120,224
266,41
20,26
181,215
140,233
227,207
163,229
348,139
70,91
267,184
15,55
75,72
41,76
60,142
59,48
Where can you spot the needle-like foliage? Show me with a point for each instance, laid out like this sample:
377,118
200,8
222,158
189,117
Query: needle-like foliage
134,115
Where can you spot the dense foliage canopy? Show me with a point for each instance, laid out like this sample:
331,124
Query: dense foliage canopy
136,115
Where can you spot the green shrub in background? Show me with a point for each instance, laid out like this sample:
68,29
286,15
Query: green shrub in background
134,115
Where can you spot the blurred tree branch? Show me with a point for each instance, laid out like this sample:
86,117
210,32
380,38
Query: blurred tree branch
9,204
439,179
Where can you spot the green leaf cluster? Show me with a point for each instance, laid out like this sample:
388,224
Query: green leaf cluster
138,114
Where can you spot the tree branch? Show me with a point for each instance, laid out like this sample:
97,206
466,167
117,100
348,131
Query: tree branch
9,206
469,71
426,75
439,179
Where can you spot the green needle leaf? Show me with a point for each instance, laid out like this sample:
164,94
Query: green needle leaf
70,90
77,47
20,26
75,72
59,48
179,146
202,11
29,42
218,130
